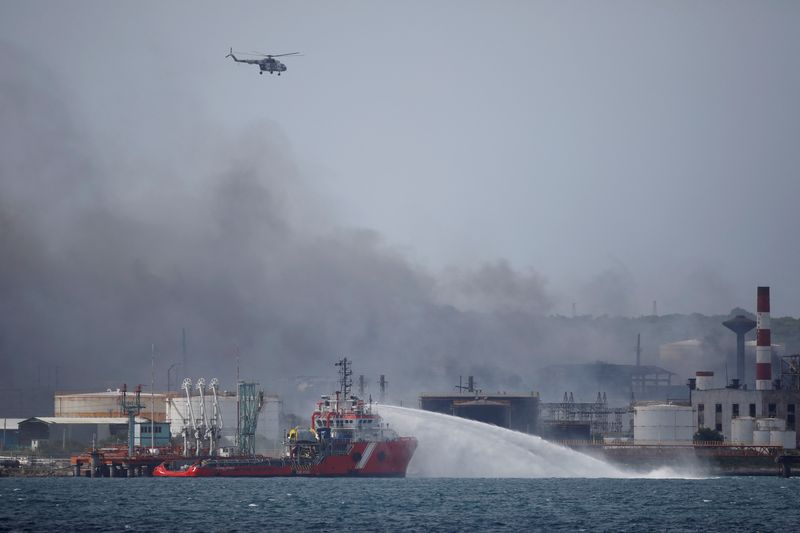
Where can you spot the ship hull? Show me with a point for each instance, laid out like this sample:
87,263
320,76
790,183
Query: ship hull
363,459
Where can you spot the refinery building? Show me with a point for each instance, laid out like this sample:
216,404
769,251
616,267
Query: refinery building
646,410
83,418
765,415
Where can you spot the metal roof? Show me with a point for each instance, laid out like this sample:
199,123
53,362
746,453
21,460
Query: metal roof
87,420
695,343
107,393
481,402
10,424
479,394
620,367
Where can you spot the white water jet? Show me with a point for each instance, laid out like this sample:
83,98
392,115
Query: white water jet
450,446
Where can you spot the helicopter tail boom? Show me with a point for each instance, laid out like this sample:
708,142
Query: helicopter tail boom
230,54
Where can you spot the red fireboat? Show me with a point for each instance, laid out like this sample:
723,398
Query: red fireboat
345,439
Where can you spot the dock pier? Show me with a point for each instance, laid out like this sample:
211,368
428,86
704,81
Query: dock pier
785,463
118,464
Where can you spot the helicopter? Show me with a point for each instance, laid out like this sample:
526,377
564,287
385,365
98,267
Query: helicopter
268,64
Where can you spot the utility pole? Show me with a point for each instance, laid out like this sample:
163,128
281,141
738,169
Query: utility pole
239,389
152,395
638,349
183,347
238,413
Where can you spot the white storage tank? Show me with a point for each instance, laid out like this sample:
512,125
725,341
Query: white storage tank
789,440
268,430
761,438
106,404
777,438
770,424
664,423
742,430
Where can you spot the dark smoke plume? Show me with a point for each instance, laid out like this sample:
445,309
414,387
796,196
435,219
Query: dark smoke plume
102,258
90,278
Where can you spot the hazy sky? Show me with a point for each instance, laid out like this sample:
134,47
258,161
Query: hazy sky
624,151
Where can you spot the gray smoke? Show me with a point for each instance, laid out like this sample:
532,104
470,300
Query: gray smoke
494,288
104,259
107,251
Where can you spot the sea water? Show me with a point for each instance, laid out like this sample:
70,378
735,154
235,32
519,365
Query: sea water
411,504
465,476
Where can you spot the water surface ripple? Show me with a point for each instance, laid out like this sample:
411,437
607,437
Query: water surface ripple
412,504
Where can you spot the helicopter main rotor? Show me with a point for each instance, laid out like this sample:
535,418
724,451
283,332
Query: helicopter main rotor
270,55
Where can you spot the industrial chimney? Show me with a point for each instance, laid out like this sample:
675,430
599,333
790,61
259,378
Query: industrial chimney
740,325
704,380
763,341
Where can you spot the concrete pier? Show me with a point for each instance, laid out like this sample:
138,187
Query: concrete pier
785,464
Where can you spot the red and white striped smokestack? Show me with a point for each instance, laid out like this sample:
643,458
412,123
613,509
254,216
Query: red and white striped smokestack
763,341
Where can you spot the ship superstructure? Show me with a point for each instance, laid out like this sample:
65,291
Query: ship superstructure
345,438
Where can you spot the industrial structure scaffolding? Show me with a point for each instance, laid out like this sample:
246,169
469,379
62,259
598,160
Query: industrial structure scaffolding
250,404
131,408
645,376
790,372
602,419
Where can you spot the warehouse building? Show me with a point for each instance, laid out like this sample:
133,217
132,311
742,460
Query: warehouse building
519,412
71,433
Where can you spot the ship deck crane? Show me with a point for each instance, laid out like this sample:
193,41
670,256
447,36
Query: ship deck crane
203,420
195,431
215,427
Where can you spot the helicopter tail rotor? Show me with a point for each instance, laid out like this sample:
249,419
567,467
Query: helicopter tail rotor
230,54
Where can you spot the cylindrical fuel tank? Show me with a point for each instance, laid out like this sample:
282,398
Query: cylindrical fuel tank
761,438
742,430
770,424
663,423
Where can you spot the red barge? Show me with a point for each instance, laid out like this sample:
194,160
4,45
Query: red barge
346,438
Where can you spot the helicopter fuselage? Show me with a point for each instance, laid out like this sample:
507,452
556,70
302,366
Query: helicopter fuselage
271,65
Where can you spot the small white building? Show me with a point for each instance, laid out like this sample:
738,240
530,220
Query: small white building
151,434
717,408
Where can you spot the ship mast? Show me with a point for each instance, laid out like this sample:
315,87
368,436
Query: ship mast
345,378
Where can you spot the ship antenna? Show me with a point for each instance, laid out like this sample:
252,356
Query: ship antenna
345,374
